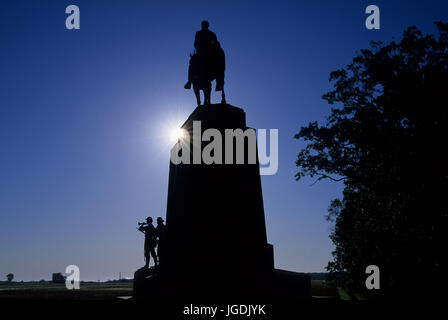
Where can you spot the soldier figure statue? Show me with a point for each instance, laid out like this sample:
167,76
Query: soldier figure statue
150,241
160,233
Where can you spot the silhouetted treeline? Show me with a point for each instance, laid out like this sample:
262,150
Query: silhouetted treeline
387,140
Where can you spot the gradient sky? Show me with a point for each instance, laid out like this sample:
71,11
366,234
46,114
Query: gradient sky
84,118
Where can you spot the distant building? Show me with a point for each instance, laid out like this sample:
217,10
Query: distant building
58,278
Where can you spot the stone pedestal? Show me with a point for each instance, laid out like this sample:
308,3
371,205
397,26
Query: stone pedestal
216,235
215,216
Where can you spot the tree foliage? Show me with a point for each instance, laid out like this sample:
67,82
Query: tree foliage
10,277
386,141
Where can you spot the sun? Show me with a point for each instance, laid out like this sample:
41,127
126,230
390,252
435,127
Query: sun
168,131
176,134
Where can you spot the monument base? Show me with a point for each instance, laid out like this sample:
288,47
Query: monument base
150,284
215,245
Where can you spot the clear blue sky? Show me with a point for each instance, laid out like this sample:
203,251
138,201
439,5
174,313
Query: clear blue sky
83,117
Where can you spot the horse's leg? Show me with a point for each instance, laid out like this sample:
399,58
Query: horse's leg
197,94
223,97
207,93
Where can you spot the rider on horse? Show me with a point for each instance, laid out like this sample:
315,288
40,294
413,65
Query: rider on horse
206,64
205,40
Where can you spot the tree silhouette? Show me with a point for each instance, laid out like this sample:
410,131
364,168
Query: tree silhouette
10,277
387,143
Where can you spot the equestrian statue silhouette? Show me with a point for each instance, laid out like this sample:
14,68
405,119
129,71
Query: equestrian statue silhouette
207,63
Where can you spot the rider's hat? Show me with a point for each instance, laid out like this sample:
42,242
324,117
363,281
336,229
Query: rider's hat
159,219
149,219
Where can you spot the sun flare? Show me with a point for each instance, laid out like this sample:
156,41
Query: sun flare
177,134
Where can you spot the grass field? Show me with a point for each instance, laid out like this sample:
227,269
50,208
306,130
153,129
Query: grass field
321,289
107,291
52,291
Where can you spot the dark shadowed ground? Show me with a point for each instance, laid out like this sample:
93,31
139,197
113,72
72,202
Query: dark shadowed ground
107,291
52,291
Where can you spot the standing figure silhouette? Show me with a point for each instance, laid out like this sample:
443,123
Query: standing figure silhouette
150,241
160,233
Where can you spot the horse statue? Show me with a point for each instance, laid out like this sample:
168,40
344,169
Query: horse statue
203,69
